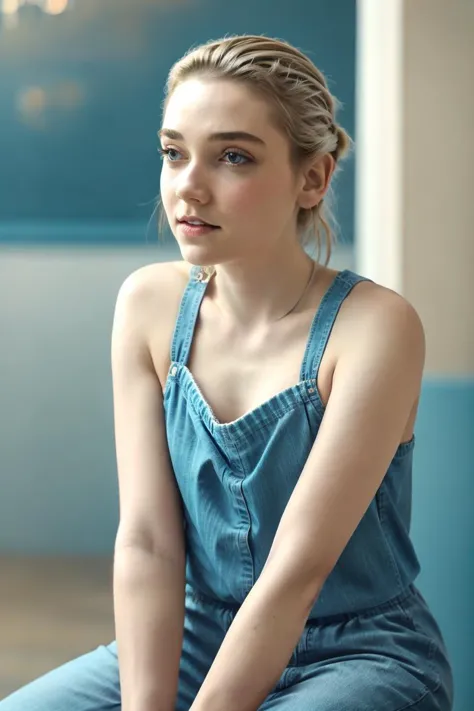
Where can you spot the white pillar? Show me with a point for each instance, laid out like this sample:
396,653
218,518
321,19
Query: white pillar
415,165
378,249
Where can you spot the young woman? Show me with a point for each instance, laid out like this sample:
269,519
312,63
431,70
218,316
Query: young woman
264,410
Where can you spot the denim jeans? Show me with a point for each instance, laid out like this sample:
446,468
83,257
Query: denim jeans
388,658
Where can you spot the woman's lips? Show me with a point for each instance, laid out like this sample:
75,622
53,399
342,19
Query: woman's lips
190,230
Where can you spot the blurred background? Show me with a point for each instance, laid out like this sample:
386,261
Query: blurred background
81,86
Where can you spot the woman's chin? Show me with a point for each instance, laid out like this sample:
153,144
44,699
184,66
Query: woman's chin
199,255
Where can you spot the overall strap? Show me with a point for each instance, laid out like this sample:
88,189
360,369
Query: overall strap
324,320
187,315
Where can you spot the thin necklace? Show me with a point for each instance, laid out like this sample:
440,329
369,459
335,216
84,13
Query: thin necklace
313,269
201,277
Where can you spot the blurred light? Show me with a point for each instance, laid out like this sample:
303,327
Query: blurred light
32,100
55,7
37,105
10,7
52,7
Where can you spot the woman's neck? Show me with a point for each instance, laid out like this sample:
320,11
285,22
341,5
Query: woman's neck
265,291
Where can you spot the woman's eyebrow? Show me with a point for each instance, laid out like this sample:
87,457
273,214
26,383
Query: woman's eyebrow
220,136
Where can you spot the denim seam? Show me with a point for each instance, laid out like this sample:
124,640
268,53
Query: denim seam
274,415
192,296
242,493
286,680
414,704
177,328
366,613
198,597
269,419
299,391
178,336
427,690
431,643
264,422
195,299
323,341
380,498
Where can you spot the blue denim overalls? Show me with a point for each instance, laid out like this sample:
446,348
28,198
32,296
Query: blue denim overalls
370,643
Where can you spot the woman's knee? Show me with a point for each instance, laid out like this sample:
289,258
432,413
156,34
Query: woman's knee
88,683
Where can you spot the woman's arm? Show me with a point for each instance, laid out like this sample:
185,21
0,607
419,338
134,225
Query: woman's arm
149,549
375,388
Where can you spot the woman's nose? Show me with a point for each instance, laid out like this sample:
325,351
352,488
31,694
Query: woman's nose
191,184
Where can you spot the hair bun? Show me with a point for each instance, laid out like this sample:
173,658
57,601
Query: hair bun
343,143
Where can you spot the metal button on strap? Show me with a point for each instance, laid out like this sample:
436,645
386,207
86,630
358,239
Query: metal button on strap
174,370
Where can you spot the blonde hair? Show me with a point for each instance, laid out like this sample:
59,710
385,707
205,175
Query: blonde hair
304,108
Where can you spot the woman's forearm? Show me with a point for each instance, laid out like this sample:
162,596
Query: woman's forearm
256,649
149,617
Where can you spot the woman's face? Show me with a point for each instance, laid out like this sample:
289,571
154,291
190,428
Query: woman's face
243,185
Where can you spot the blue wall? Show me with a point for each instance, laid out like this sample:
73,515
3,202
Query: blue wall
81,99
443,521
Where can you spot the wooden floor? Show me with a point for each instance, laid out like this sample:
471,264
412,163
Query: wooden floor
51,610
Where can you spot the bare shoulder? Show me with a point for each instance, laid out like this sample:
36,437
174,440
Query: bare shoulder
154,280
147,306
373,315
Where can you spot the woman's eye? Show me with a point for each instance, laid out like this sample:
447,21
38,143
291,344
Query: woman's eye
170,154
235,158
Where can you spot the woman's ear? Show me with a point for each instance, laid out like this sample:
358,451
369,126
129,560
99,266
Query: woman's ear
316,179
